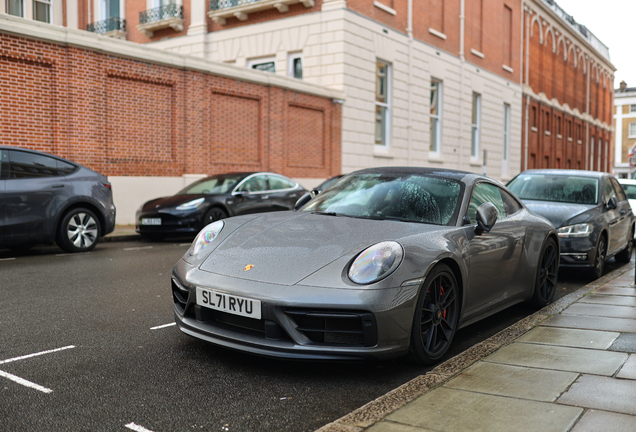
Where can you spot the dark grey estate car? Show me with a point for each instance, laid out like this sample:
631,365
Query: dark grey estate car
589,209
46,199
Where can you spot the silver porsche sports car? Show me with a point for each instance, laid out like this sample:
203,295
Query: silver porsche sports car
386,262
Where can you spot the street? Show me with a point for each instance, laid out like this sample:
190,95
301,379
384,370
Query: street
89,343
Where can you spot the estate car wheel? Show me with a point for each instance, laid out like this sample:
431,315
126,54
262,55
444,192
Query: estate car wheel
213,215
547,274
436,316
599,259
625,255
78,231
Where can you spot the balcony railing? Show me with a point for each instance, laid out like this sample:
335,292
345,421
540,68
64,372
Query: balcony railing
220,10
108,26
161,13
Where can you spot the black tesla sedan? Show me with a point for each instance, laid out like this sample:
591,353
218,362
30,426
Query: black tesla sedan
589,210
213,198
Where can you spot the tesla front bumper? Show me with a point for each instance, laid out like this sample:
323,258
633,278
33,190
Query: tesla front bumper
299,322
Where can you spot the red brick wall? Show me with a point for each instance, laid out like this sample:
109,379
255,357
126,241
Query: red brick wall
126,117
564,78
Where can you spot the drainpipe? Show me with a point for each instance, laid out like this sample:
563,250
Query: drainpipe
409,32
527,120
462,60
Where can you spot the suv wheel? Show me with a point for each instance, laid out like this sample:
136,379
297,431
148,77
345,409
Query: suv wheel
79,231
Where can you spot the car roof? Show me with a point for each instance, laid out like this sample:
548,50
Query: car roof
454,174
2,147
569,172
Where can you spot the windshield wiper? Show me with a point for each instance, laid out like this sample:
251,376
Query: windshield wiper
326,213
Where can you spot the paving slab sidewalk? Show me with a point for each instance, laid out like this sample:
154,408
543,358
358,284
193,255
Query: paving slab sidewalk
569,367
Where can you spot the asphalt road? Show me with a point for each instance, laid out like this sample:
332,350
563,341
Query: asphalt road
109,357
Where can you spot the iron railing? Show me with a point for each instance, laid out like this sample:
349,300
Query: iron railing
224,4
161,13
107,25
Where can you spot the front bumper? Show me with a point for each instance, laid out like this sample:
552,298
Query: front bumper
171,223
577,252
298,322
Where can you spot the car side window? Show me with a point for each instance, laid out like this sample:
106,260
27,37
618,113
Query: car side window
279,183
619,190
4,163
30,165
255,184
511,205
483,193
608,190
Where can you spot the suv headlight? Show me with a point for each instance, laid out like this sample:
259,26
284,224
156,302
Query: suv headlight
376,262
578,230
205,237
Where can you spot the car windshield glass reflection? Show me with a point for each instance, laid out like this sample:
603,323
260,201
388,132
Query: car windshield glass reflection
410,198
212,185
556,188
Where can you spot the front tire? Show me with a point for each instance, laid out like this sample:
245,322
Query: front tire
213,215
436,316
79,231
599,259
547,275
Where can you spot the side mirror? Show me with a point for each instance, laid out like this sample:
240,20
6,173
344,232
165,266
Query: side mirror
304,199
612,203
486,218
314,193
238,193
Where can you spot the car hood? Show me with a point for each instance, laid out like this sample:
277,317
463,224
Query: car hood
286,247
559,214
168,202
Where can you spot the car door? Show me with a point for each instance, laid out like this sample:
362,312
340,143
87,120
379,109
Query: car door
494,257
624,213
34,192
283,193
616,218
252,195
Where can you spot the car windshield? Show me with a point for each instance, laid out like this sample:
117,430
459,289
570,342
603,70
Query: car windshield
556,188
218,184
404,197
630,190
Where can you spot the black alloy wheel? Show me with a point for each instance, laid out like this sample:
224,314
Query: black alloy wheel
625,255
213,215
436,316
78,231
547,274
599,259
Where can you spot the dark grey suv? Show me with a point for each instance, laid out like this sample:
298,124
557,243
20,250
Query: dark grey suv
46,199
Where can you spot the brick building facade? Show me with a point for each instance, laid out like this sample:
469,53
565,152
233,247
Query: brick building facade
152,121
495,86
625,130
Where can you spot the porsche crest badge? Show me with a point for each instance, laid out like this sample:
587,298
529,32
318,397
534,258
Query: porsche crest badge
248,267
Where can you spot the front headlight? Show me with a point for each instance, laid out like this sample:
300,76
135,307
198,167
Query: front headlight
191,204
376,262
578,230
205,237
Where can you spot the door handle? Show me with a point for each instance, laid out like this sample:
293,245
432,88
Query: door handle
57,186
623,212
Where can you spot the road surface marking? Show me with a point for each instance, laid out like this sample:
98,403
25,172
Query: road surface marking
137,428
24,382
162,326
36,354
138,248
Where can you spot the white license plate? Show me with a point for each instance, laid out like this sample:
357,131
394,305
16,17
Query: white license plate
151,221
229,303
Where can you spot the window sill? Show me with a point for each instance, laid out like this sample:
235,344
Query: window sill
507,68
477,53
435,158
534,129
385,8
436,33
383,152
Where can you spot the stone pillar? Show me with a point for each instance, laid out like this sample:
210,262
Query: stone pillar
198,16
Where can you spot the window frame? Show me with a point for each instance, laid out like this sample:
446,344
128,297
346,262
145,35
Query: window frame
262,60
290,64
632,108
475,127
49,4
631,130
383,107
435,148
21,7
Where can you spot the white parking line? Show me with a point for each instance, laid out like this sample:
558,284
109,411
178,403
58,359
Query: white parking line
162,326
6,259
138,248
24,382
137,428
36,354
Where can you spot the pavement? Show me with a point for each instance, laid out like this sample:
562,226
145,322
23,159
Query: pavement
569,367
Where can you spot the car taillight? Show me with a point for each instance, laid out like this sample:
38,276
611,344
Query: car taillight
107,186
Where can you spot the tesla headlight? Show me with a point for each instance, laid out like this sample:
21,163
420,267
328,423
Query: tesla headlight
191,204
578,230
205,237
376,262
